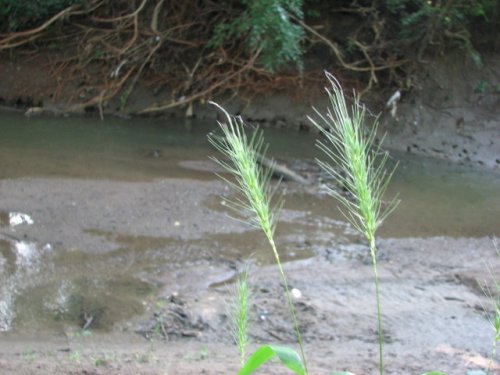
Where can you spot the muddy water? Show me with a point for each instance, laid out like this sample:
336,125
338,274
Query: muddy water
53,284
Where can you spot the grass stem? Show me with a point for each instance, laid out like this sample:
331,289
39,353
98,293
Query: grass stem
240,314
373,251
291,308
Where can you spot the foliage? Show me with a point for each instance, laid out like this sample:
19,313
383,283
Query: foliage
288,357
267,27
453,14
198,49
433,22
20,14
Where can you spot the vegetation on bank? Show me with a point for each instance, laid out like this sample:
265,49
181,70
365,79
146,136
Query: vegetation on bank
198,49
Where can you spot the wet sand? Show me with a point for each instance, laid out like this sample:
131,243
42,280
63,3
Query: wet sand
435,311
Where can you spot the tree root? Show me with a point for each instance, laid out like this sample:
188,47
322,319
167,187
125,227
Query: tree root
152,41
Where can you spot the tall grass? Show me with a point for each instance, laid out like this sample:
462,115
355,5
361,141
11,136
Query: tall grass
259,201
358,166
240,313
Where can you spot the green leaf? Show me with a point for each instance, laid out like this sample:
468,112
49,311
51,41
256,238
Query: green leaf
288,357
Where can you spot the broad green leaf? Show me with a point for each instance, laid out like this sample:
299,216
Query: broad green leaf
288,357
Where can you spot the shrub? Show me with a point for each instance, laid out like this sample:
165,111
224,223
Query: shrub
267,27
21,14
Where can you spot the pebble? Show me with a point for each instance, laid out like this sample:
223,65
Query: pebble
296,294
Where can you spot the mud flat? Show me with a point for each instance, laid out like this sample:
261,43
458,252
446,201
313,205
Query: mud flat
174,236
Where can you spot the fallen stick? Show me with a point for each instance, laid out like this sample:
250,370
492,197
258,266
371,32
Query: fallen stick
280,170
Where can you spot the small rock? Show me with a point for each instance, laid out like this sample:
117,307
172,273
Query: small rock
296,294
263,315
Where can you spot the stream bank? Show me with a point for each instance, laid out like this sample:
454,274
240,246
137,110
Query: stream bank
450,112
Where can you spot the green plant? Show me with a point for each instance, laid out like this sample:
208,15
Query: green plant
156,334
29,355
359,170
104,359
433,23
240,313
16,15
75,356
204,353
253,183
481,87
266,26
83,333
287,356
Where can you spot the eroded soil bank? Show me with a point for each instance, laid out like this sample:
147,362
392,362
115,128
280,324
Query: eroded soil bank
450,111
435,311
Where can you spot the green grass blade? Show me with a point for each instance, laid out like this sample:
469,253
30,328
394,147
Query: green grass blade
288,357
240,314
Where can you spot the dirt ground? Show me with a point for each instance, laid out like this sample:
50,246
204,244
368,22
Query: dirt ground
435,311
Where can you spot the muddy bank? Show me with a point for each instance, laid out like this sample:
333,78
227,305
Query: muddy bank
434,316
452,112
174,236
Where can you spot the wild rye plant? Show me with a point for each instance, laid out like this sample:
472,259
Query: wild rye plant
253,183
357,166
240,313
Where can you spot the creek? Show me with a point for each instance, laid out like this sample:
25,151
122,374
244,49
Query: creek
49,283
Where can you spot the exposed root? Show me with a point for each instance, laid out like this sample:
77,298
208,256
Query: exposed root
111,48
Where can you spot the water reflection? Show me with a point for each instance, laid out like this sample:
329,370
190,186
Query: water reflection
38,289
19,262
